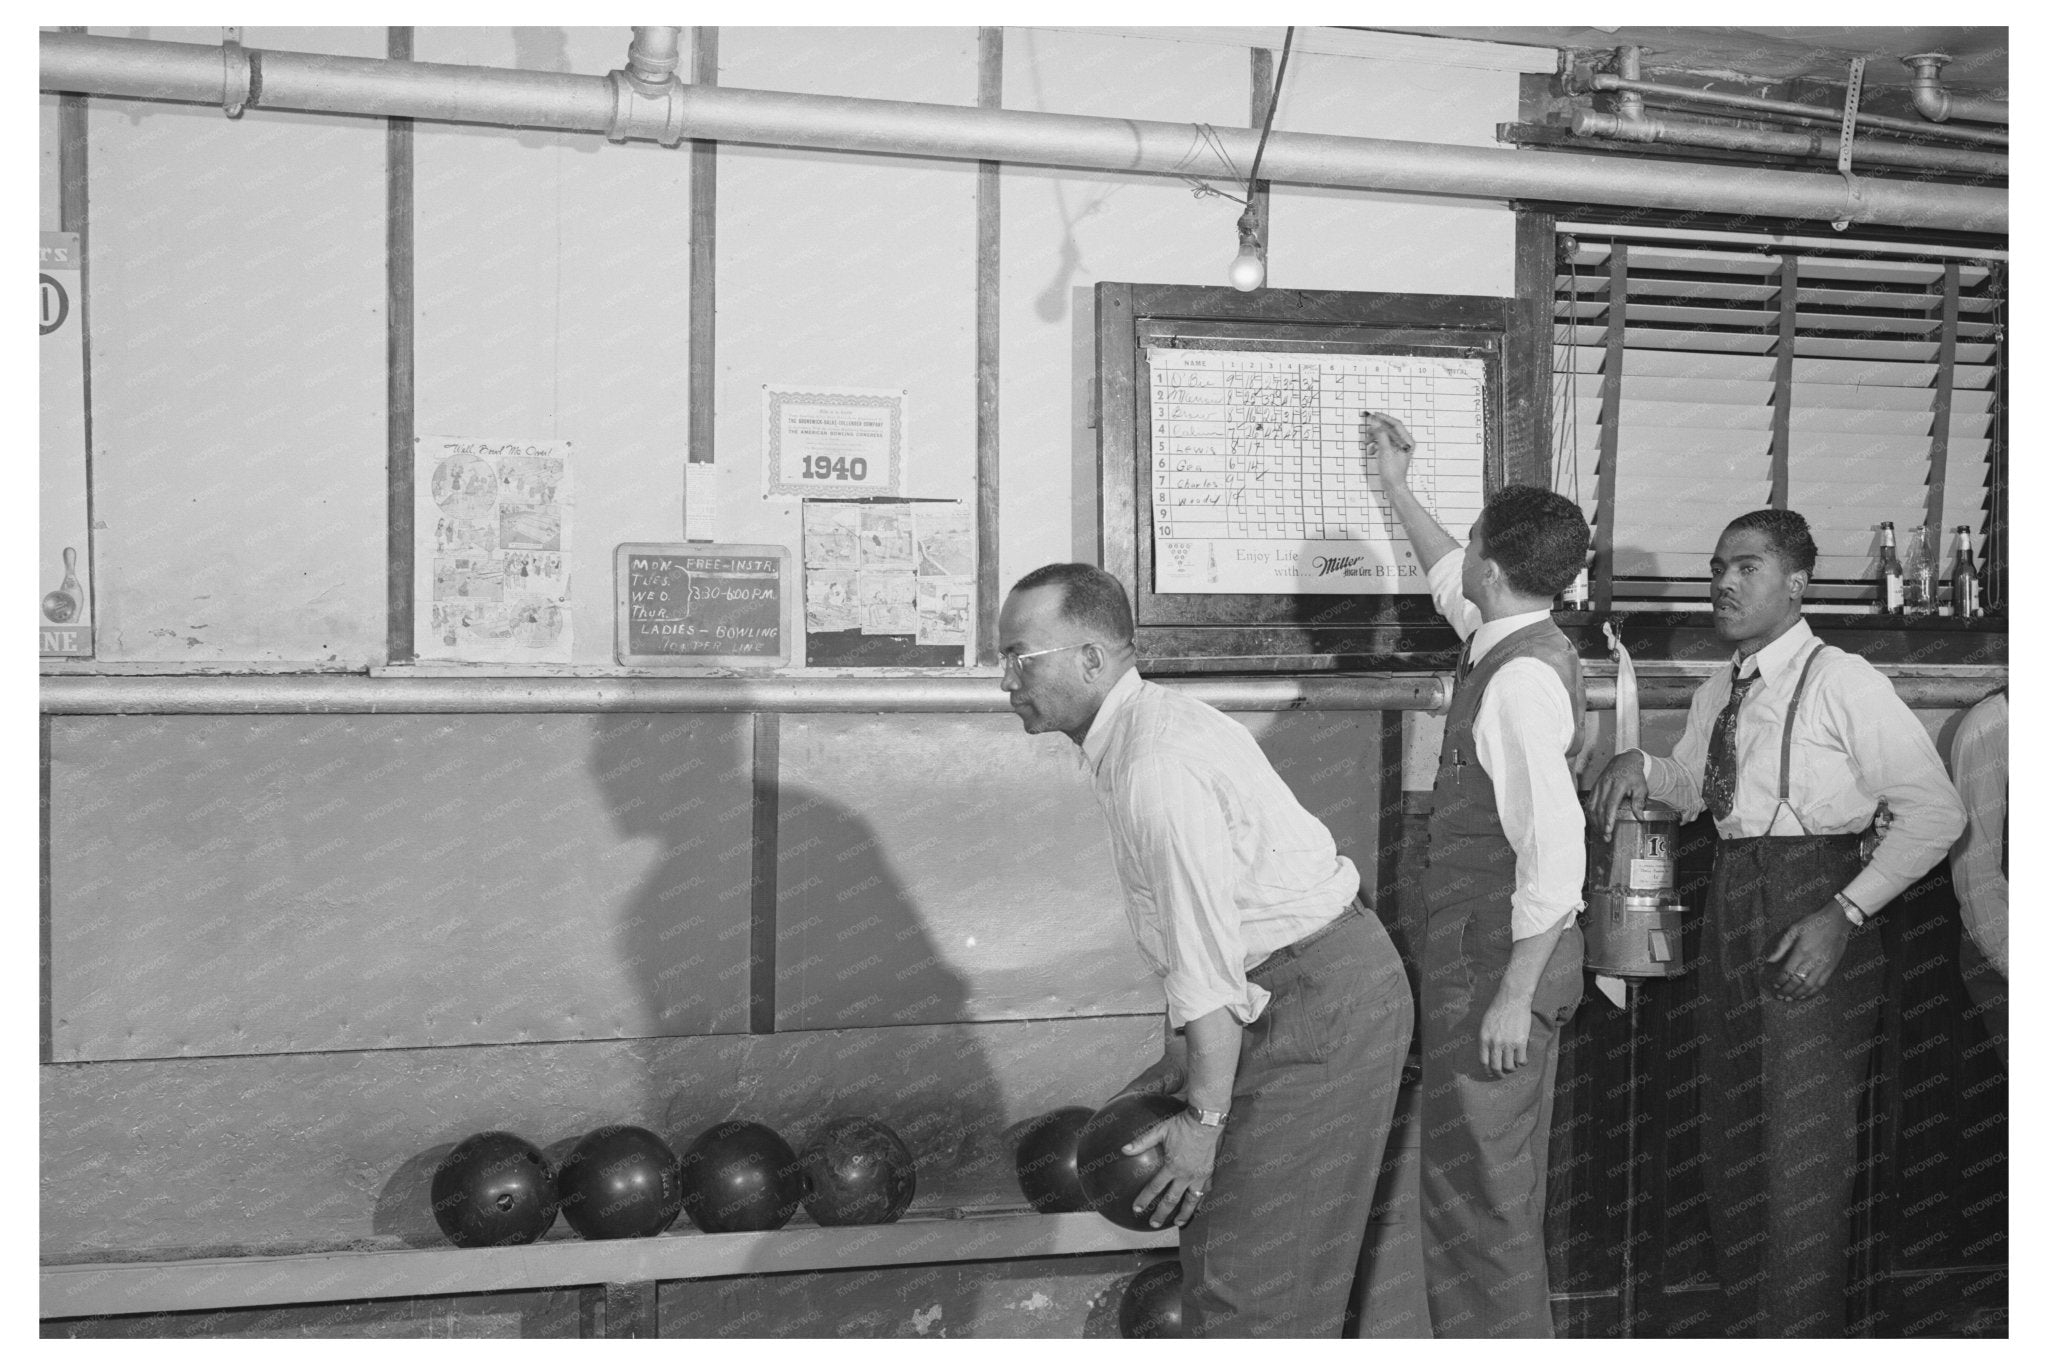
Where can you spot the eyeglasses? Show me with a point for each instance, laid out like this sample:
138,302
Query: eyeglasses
1012,661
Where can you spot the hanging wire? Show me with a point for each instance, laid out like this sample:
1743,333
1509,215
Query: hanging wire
1279,78
1206,139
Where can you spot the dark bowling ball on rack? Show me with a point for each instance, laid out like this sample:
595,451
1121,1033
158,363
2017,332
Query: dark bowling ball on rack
1151,1305
857,1171
493,1189
1048,1166
1110,1179
620,1181
740,1176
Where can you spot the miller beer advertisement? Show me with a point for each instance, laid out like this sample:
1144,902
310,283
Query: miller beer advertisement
63,563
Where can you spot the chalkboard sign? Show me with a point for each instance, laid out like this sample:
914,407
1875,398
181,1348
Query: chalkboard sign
696,605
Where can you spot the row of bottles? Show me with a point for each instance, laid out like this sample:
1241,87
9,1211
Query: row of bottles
1913,585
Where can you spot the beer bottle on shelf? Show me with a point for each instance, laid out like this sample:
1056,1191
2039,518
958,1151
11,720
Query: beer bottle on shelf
1891,576
1578,594
1920,574
1966,590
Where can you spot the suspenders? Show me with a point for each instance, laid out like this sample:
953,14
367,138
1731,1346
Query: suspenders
1785,743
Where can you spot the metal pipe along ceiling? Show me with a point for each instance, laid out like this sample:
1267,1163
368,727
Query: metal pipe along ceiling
1606,80
1938,104
620,109
1958,160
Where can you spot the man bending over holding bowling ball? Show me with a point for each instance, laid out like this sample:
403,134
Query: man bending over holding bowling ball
1287,1011
1502,954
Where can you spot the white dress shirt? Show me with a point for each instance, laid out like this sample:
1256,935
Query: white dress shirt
1977,862
1220,865
1521,736
1853,741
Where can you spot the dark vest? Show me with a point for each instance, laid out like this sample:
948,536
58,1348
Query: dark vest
1464,805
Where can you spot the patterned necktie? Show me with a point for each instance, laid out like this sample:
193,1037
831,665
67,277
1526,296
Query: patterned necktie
1721,748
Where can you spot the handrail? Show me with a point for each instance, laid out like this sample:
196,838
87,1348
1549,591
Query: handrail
1660,687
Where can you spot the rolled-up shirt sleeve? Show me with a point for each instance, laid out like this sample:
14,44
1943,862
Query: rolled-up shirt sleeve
1977,861
1181,840
1896,761
1520,735
1447,591
1679,781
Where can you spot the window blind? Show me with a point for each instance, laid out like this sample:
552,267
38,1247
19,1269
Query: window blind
1698,381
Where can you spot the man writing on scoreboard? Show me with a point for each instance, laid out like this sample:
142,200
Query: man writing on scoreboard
1287,1010
1502,955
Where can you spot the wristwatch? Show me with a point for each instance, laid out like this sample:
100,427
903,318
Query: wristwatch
1209,1118
1853,911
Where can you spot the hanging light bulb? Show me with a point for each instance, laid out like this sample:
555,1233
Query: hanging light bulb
1248,271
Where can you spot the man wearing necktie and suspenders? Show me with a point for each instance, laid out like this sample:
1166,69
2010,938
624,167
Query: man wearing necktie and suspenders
1794,750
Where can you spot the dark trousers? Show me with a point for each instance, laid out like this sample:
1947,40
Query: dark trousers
1485,1138
1784,1081
1987,993
1274,1248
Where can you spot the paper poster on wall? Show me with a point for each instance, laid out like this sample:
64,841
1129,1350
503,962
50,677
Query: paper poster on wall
491,550
701,520
63,566
890,569
1259,483
832,443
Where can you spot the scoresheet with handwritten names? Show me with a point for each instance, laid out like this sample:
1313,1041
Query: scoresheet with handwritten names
1260,483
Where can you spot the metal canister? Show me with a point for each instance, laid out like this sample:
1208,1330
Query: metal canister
1633,914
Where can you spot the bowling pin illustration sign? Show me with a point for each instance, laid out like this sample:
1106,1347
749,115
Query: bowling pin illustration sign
65,629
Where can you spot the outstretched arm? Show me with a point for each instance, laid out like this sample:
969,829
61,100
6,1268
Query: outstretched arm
1387,438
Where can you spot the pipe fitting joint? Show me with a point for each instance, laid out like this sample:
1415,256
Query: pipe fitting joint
648,115
1593,123
1928,97
652,58
237,78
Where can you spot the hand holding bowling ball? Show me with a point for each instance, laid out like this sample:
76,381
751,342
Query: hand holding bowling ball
493,1190
620,1181
1110,1179
857,1171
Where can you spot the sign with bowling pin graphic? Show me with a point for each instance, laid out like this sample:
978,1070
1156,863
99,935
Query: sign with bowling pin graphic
64,564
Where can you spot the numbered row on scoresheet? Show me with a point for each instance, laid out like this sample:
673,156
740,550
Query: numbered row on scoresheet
1176,425
1354,395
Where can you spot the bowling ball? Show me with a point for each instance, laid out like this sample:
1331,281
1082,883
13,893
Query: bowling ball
1048,1168
1151,1304
857,1171
1110,1179
740,1176
620,1181
493,1190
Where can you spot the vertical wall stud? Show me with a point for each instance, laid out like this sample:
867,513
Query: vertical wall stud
988,334
703,376
767,855
398,370
1527,377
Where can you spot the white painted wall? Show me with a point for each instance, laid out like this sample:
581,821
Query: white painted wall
237,350
239,286
845,271
553,277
